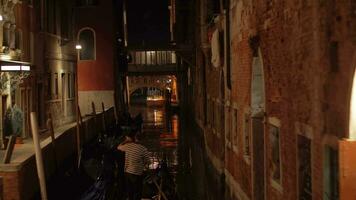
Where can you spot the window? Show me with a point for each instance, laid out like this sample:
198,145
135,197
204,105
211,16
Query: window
228,126
234,127
51,16
32,47
63,82
49,86
87,41
65,21
246,134
6,34
87,2
304,167
56,87
18,39
70,85
221,118
275,153
214,115
331,173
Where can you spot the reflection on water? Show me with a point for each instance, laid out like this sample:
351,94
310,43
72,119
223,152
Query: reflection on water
160,133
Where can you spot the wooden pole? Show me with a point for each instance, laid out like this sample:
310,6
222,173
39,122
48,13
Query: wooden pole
103,116
93,108
53,139
9,149
81,123
39,159
77,113
95,121
78,138
115,115
160,190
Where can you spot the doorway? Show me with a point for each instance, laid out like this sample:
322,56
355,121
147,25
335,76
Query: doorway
257,125
26,107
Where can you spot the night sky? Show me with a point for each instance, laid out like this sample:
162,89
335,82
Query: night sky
148,22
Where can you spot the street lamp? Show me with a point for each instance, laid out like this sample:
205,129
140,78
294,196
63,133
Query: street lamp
78,47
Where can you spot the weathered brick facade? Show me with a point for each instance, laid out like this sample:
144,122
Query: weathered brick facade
307,49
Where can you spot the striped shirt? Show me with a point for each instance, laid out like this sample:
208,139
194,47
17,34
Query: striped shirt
136,156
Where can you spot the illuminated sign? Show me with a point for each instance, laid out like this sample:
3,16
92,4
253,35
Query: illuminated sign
25,68
12,68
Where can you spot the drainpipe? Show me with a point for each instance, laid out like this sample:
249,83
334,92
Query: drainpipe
227,43
205,50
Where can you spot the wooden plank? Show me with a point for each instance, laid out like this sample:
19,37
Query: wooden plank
39,158
9,149
93,108
53,140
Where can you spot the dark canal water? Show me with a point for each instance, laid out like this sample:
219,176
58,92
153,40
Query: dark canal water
161,136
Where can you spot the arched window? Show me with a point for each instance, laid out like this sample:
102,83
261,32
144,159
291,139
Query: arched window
352,122
87,41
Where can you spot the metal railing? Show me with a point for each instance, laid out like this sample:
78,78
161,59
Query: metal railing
153,57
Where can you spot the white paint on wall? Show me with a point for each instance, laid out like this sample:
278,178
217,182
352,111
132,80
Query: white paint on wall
87,97
352,122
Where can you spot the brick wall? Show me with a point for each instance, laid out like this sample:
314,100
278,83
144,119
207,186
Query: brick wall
308,54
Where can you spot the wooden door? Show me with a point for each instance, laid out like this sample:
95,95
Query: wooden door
258,140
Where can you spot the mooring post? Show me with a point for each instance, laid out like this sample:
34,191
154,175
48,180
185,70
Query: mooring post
9,149
53,139
39,158
103,115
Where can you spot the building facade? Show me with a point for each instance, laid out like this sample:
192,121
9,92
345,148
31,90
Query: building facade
17,28
56,62
97,57
272,89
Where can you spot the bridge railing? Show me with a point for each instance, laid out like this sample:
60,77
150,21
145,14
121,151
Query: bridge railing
153,57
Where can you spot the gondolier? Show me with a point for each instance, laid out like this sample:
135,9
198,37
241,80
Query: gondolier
136,158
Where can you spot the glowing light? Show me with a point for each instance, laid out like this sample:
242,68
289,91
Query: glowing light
10,68
78,46
5,57
154,165
352,125
1,18
25,68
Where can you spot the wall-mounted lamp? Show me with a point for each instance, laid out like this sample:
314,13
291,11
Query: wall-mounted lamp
1,18
78,46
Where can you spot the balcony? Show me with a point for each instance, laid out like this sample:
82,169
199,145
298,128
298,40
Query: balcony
153,61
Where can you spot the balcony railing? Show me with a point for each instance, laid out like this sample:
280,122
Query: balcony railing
147,57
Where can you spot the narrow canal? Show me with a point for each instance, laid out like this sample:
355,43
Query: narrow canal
162,135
